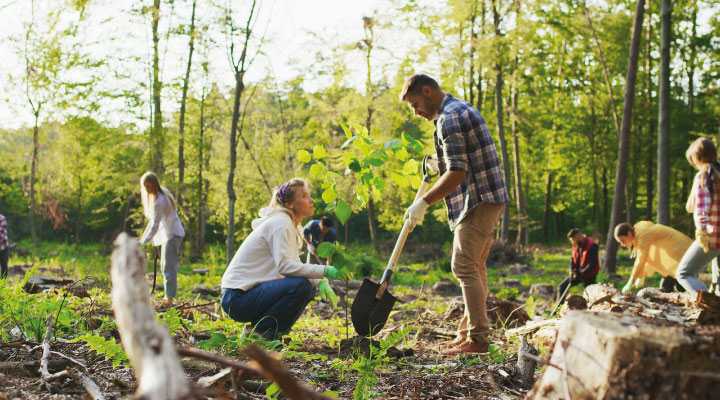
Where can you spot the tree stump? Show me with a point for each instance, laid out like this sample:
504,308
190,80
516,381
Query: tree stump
148,344
600,355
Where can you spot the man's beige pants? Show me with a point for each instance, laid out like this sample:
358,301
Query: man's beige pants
471,246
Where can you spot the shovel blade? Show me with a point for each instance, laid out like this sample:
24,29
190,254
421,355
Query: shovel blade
369,314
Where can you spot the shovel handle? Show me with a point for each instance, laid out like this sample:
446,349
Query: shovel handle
407,227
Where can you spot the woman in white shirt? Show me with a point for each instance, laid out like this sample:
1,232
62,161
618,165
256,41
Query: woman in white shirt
164,228
265,284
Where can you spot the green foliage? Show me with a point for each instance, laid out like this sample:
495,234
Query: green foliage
366,366
107,347
173,319
495,355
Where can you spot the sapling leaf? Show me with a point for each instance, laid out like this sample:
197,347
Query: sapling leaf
342,211
316,170
325,249
303,156
319,152
329,195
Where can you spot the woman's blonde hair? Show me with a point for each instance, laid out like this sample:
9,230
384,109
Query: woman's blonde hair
285,193
148,198
702,150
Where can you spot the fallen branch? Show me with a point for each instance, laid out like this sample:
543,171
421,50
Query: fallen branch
44,373
45,360
185,307
148,344
201,355
86,382
80,363
272,370
531,327
278,373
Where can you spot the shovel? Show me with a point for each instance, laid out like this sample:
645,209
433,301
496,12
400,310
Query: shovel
373,303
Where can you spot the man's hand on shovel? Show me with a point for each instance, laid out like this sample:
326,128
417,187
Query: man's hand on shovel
416,212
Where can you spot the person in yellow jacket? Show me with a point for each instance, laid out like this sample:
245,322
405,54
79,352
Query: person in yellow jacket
658,248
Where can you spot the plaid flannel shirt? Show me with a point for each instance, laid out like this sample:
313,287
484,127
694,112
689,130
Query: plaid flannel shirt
463,143
3,233
707,208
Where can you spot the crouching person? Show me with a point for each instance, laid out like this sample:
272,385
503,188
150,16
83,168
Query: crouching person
265,284
584,265
658,248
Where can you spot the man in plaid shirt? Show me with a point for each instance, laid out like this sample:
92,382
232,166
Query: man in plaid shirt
4,250
472,185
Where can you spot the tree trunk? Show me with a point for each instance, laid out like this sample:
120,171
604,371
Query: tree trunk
548,208
504,225
126,211
519,200
230,244
611,244
78,218
663,158
593,131
368,24
183,101
33,172
157,140
200,235
651,129
691,66
613,107
605,192
239,67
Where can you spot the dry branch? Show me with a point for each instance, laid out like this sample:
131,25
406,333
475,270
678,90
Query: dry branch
86,382
278,373
147,343
272,370
45,360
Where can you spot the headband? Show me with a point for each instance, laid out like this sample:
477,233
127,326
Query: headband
281,192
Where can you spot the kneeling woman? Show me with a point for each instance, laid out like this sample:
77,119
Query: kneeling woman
265,283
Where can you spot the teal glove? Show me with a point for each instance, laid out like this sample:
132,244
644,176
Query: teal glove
334,273
326,293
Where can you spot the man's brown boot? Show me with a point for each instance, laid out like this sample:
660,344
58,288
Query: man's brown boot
468,347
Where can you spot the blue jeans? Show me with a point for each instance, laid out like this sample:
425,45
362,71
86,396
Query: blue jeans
694,261
271,307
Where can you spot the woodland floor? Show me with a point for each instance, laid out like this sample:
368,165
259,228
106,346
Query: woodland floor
317,351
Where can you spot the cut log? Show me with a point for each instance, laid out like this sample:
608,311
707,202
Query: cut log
598,293
602,355
148,344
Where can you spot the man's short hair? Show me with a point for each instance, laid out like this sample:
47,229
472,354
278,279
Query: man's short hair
326,222
573,232
414,84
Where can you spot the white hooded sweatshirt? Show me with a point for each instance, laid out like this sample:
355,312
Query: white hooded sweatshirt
271,251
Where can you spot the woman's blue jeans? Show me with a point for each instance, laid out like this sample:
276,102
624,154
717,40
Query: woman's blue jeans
694,261
271,307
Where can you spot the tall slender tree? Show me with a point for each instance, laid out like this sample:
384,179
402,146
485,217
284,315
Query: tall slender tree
183,101
611,245
504,225
663,153
157,141
240,65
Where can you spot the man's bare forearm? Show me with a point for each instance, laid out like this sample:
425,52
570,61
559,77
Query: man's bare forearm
447,183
